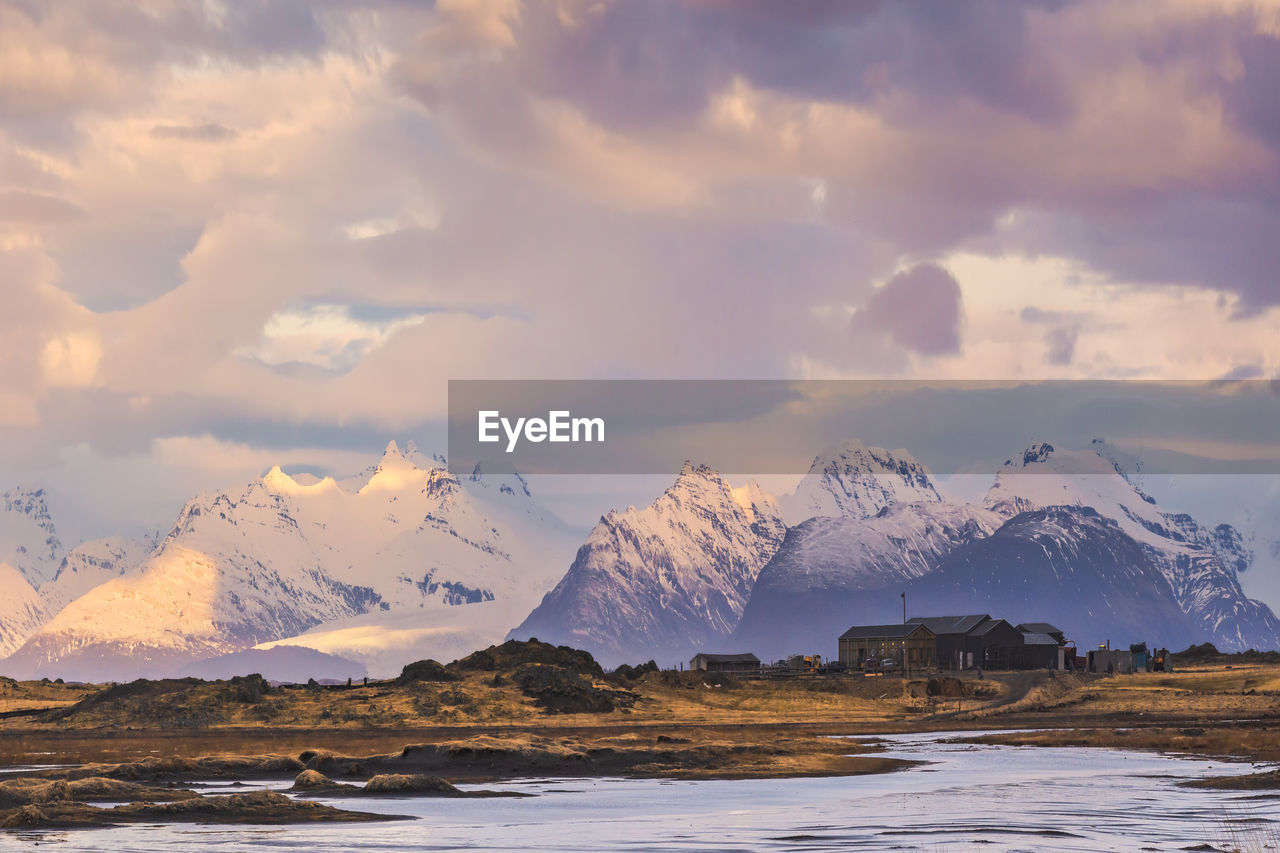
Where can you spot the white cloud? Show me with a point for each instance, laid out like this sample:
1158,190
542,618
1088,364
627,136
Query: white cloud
71,361
324,336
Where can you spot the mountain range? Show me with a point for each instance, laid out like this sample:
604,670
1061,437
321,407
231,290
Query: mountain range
406,560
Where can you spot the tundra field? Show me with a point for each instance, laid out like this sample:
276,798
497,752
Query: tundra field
525,709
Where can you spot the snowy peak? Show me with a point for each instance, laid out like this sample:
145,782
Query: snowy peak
28,539
1044,476
1200,564
852,479
393,472
663,580
458,564
279,482
756,502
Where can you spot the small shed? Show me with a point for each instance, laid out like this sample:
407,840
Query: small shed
1040,651
911,644
744,662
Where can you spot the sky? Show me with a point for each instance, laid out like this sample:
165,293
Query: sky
240,234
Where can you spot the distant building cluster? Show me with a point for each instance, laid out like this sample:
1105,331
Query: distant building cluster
950,644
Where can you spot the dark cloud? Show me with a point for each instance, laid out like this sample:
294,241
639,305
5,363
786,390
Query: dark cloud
920,309
1077,111
1060,345
1060,340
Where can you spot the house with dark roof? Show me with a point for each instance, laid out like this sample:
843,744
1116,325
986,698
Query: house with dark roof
955,650
978,640
1043,628
740,663
911,645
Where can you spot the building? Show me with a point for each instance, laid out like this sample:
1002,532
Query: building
978,640
1040,651
997,644
741,663
916,642
1044,647
1043,628
954,647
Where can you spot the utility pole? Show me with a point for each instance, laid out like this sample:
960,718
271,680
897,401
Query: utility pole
904,637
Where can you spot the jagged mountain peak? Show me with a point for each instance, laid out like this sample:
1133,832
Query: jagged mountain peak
450,564
663,579
276,480
29,540
1200,564
857,480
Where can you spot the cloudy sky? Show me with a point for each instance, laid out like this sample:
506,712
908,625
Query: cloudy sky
240,233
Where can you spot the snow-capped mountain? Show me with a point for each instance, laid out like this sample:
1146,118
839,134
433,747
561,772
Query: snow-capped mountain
804,595
28,538
856,481
21,611
1201,564
1069,566
660,581
280,556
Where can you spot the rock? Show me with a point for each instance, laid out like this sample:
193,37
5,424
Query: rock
250,688
310,780
403,783
481,660
425,670
631,673
25,816
564,691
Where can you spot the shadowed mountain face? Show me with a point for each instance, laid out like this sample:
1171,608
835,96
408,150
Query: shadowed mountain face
1200,564
1065,565
822,573
1069,566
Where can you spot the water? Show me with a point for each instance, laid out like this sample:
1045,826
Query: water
992,798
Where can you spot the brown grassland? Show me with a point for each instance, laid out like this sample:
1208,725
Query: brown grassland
521,710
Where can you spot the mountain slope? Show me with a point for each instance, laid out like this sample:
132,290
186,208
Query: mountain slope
663,580
1066,565
90,565
1200,564
21,611
804,595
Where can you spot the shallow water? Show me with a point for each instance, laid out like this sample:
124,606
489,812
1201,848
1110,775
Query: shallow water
993,798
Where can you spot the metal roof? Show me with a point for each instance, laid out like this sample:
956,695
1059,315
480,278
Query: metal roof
988,626
876,632
744,657
951,624
1039,628
1030,639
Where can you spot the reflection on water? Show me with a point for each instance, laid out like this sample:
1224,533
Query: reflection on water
992,798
